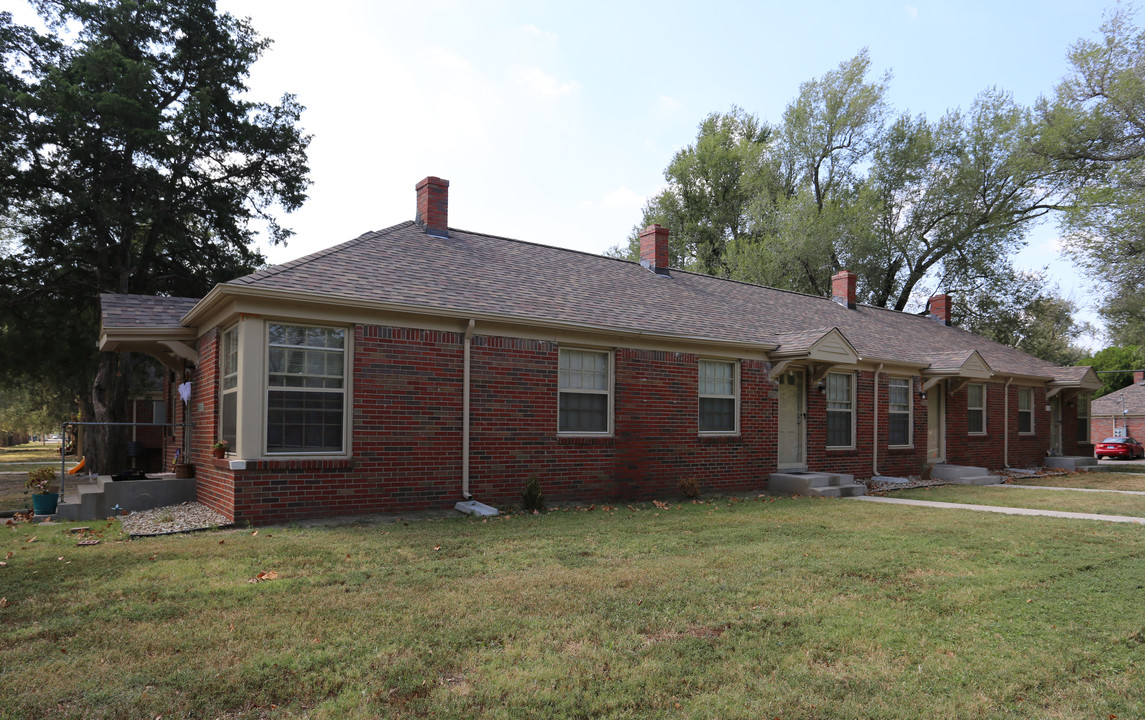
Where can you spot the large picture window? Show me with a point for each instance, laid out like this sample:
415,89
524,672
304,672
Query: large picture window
583,391
1026,411
898,412
840,410
229,402
305,389
718,394
976,409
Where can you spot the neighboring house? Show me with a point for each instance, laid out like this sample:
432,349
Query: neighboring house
420,364
1121,412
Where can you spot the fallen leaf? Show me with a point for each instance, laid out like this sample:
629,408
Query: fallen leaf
3,564
9,555
269,575
436,547
222,541
60,558
84,543
1030,600
4,602
31,539
254,533
153,556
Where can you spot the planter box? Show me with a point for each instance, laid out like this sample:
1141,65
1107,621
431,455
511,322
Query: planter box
45,503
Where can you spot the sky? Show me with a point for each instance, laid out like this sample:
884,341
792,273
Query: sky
554,121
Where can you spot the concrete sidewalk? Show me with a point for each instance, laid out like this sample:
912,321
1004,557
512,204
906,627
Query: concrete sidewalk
1068,489
1003,510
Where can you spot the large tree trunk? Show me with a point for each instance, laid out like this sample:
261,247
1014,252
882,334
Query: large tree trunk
106,445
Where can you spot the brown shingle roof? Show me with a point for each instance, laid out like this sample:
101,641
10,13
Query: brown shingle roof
1131,398
477,273
143,311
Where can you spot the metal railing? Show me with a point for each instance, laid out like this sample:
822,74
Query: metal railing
79,424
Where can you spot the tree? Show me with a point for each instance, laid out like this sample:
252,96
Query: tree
135,164
1094,129
1124,359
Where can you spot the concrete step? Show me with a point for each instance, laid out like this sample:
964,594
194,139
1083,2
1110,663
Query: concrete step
814,484
978,480
106,497
1071,462
952,473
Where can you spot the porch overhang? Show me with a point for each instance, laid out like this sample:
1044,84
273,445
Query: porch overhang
175,348
820,349
961,367
1079,380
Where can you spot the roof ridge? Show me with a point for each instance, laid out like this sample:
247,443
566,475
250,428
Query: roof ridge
272,270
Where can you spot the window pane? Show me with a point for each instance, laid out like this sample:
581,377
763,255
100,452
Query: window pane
899,392
717,414
838,429
717,378
583,412
838,391
229,420
974,396
304,421
899,430
1025,422
974,421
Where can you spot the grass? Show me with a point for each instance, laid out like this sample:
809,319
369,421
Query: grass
789,608
30,452
1102,503
1097,480
13,494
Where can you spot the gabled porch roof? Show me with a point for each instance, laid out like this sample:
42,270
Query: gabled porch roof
151,325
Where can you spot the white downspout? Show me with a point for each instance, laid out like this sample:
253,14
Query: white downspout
1006,422
465,416
875,425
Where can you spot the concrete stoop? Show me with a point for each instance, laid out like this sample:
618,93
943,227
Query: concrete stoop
1072,462
106,497
964,474
815,484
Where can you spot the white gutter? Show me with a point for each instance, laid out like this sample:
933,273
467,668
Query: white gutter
1006,423
465,415
875,425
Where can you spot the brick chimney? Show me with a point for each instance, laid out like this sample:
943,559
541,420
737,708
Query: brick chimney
654,249
843,288
433,206
1138,377
938,307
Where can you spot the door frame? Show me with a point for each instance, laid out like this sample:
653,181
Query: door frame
936,424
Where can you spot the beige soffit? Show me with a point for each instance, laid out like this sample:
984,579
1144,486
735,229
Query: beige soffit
1083,382
171,346
961,364
220,293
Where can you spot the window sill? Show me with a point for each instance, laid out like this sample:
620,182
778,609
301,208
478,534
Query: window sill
719,437
841,449
978,434
900,448
325,464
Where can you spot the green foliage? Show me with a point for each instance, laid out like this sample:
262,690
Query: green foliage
1094,129
1124,358
531,497
132,162
1026,313
34,407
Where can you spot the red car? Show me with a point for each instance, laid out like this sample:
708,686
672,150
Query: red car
1125,448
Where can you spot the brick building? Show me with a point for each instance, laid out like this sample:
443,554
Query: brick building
421,364
1120,413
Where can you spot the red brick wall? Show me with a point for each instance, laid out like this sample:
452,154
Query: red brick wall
1103,426
406,432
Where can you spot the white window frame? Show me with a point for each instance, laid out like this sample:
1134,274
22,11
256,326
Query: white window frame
1083,402
229,383
1027,393
347,396
850,409
909,383
976,408
701,395
608,390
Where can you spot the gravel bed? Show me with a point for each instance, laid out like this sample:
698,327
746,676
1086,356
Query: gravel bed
172,519
915,481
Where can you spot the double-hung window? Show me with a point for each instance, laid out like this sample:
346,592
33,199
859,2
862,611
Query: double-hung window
718,395
898,412
1026,411
229,402
976,409
306,389
1083,418
840,410
583,391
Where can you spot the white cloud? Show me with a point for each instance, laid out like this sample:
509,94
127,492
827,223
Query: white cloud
541,83
912,11
622,197
667,105
543,34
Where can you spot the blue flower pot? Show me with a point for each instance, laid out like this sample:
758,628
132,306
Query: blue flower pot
45,503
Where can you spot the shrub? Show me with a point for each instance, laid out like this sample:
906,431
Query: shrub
690,486
532,498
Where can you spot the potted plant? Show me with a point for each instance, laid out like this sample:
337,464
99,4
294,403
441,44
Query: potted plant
42,483
183,469
220,449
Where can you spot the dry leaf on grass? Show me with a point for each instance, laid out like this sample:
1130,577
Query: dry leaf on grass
9,555
254,533
436,547
84,543
31,539
3,564
269,575
4,602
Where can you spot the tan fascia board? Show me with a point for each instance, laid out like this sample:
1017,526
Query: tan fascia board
112,337
208,314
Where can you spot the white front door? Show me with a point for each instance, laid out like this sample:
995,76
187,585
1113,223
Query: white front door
792,435
936,424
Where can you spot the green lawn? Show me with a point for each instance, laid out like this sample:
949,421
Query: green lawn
788,608
1104,503
30,452
1103,480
